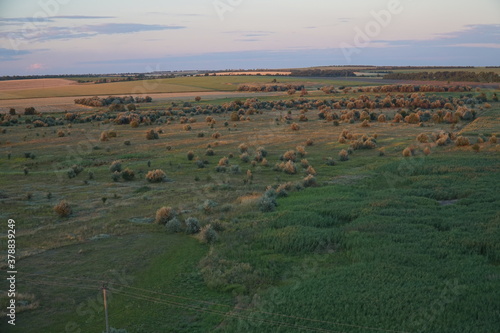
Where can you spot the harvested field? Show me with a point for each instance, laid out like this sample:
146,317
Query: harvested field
34,84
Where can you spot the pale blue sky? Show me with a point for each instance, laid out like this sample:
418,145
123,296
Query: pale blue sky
76,36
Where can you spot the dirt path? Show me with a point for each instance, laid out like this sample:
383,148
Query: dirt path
61,104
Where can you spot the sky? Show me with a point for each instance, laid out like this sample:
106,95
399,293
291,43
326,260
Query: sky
40,37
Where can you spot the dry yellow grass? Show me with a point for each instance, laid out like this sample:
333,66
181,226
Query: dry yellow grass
34,84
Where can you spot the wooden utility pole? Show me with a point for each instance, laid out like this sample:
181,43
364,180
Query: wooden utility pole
105,307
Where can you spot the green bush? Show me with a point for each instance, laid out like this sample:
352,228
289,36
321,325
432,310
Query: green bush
192,225
173,225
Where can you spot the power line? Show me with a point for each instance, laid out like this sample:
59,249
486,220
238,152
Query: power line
225,314
228,306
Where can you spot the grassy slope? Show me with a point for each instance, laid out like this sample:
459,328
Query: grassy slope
377,250
387,255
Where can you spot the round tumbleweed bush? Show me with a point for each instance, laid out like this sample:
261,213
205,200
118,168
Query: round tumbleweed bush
63,209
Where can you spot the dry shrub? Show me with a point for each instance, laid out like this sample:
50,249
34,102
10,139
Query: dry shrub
104,136
443,139
295,127
365,123
134,124
309,142
309,181
116,166
128,174
264,162
223,162
245,157
413,118
407,152
398,118
423,138
152,135
60,133
288,167
487,105
479,140
164,214
243,148
310,170
262,151
216,135
342,139
156,176
448,117
343,155
301,151
493,139
187,127
381,118
112,134
63,209
304,163
427,151
208,234
462,141
289,156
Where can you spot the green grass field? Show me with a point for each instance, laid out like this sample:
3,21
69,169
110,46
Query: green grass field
381,243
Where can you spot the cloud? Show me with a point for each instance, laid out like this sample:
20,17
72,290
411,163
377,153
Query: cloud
247,40
35,67
174,14
127,28
9,55
36,20
480,35
86,31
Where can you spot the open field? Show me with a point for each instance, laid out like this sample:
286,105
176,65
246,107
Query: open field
174,85
33,84
304,241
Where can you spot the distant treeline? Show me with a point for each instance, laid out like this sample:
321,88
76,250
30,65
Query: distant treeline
420,67
322,72
458,76
97,101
